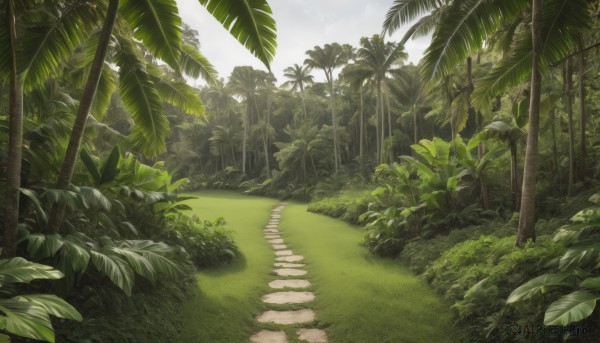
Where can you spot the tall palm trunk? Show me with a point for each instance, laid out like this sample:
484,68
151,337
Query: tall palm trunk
15,143
377,131
569,108
68,166
333,123
582,139
526,228
245,136
389,115
360,139
382,121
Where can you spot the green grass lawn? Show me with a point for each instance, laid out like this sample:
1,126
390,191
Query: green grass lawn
360,298
229,296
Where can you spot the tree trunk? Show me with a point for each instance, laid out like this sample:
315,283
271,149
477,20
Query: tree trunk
382,120
377,131
569,108
333,123
582,117
15,143
387,100
526,230
68,166
361,130
245,137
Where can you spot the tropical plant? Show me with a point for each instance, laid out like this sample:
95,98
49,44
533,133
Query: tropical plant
29,315
576,272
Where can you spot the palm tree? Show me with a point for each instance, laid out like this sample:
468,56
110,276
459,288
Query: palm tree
408,89
245,81
377,60
158,26
328,58
298,76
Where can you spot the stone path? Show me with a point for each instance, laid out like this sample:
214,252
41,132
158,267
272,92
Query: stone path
287,269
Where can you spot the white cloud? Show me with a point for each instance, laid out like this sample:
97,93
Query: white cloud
301,25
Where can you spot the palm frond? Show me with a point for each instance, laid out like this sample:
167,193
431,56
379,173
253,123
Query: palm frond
403,12
106,87
139,94
46,47
562,21
157,24
464,26
194,64
250,22
423,27
180,95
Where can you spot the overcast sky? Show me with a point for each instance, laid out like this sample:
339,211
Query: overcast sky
301,24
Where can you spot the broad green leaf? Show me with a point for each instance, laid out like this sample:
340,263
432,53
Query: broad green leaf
592,283
571,308
44,245
250,22
90,165
18,269
53,305
537,285
25,319
39,209
110,169
138,263
116,269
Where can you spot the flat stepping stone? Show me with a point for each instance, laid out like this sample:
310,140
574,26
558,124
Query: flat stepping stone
292,258
272,227
284,253
274,223
275,216
266,336
279,246
289,272
287,317
289,265
312,335
289,283
291,297
269,231
276,241
272,236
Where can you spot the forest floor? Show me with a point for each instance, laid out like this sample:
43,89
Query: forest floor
358,297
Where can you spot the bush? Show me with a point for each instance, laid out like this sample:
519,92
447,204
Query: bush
347,205
208,243
476,276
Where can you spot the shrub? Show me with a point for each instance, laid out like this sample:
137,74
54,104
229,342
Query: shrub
476,276
347,205
208,243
